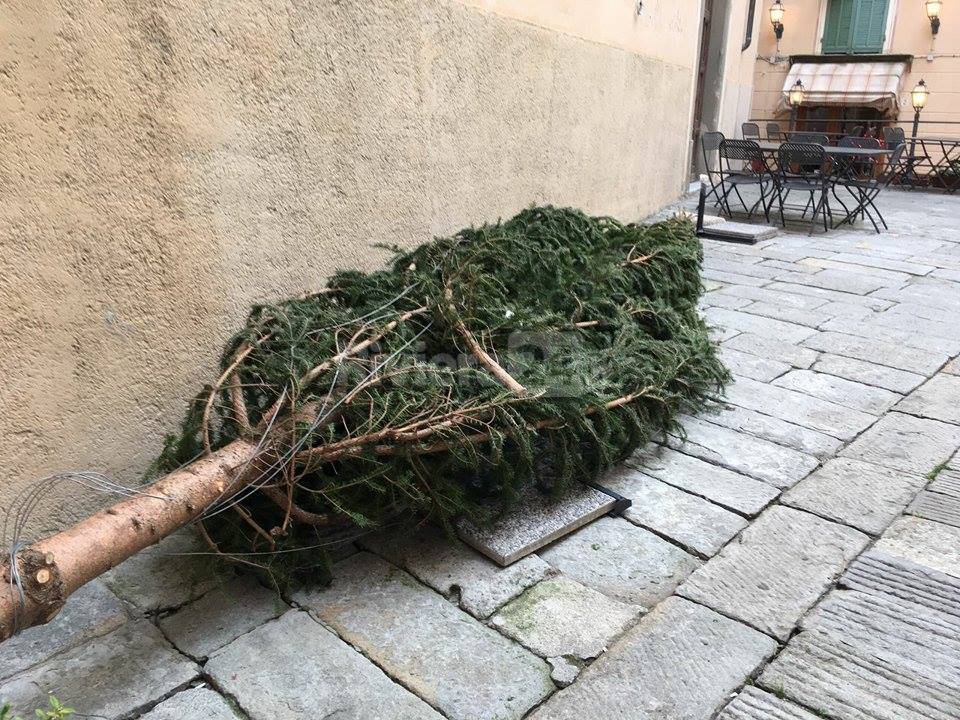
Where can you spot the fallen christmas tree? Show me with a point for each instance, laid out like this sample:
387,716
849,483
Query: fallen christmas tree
543,349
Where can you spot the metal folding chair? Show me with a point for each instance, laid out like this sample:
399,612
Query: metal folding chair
802,167
867,189
710,148
774,133
743,164
751,131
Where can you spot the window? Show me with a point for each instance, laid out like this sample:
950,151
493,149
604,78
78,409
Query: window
855,26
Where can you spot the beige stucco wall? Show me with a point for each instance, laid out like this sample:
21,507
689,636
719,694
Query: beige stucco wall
738,69
908,33
165,165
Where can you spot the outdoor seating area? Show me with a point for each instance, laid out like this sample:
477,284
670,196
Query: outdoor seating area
836,180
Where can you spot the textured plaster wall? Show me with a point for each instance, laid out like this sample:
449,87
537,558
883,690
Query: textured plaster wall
166,164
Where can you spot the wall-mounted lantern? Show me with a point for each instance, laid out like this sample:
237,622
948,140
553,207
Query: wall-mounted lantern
777,11
933,14
795,97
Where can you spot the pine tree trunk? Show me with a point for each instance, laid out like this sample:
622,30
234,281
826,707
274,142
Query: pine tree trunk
56,567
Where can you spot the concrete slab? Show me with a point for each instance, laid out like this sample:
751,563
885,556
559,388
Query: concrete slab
538,521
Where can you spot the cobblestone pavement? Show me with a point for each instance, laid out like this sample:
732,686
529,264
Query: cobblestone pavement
797,557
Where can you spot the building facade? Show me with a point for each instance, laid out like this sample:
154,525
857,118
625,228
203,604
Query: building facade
859,60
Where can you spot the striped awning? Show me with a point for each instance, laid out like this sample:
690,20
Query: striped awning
870,84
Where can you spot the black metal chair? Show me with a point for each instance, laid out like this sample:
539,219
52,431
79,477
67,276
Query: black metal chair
750,130
850,170
774,133
710,148
893,137
802,167
743,164
867,189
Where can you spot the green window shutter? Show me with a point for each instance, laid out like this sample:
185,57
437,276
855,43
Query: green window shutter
838,27
870,26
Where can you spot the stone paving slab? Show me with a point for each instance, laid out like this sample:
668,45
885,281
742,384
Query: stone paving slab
898,381
883,263
752,366
934,506
293,669
880,573
772,297
537,521
90,612
463,668
168,574
907,443
874,302
876,351
724,487
827,417
198,703
111,677
757,325
681,661
933,544
895,331
916,633
560,617
221,616
947,482
938,399
866,496
809,318
840,680
698,525
622,561
799,357
849,393
456,570
841,281
804,439
777,570
761,459
754,704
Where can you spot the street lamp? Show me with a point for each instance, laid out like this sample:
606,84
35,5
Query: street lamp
777,11
795,97
918,96
933,14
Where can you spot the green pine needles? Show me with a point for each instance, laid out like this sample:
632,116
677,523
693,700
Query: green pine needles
543,349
